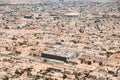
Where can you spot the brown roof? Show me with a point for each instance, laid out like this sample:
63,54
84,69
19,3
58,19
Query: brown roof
117,56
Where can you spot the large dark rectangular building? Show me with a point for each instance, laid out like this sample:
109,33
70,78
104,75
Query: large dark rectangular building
62,55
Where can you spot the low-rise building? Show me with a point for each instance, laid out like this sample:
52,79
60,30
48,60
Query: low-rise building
61,54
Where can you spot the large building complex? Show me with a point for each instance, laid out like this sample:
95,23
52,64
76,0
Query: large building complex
61,54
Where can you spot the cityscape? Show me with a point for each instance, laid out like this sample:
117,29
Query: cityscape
59,40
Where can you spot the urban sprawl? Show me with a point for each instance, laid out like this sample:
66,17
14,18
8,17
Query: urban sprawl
59,40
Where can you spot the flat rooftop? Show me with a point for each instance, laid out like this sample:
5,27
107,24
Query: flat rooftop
72,14
64,52
117,56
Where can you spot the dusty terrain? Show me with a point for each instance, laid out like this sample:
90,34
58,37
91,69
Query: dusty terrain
59,39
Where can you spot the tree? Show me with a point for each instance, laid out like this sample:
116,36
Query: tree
89,62
64,76
81,30
100,63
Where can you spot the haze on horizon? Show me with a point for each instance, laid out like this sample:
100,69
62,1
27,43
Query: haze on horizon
103,0
39,1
